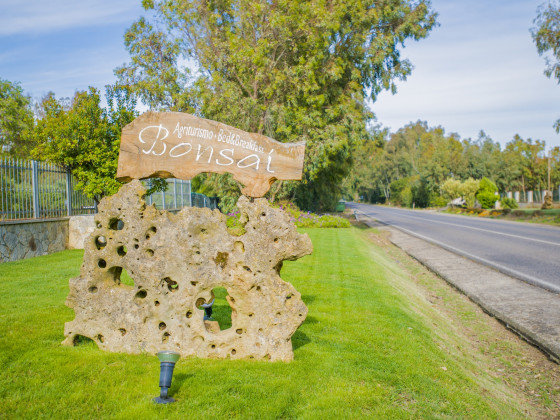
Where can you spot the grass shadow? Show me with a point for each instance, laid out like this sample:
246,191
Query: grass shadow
307,299
299,339
178,381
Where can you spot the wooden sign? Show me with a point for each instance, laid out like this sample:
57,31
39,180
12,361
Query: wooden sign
179,145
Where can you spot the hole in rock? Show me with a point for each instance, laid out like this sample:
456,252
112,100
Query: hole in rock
150,232
141,294
194,283
121,250
238,246
121,276
221,259
213,346
156,303
100,242
99,225
220,311
81,340
162,326
247,268
122,331
116,224
165,337
150,252
100,338
171,284
233,351
239,331
136,246
102,263
236,227
92,289
188,314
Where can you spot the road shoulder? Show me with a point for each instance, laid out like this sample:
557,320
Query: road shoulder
530,311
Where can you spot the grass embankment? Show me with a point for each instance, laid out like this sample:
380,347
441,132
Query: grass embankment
371,347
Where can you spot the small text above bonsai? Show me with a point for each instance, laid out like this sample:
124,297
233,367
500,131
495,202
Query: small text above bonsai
175,144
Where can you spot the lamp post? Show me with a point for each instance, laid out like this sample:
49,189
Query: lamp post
167,363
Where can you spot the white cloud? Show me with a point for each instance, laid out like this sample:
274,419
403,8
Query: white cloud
40,16
478,70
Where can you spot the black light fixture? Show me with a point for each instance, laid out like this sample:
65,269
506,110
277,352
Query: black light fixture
167,363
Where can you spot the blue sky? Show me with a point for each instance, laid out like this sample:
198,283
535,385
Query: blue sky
479,70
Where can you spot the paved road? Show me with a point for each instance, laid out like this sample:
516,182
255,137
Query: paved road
528,252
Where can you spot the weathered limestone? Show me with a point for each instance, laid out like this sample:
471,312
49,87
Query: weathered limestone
176,260
79,228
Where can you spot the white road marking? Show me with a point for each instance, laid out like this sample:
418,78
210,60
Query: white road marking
483,230
506,270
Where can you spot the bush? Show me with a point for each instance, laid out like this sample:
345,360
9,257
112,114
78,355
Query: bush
469,189
509,203
406,197
486,195
300,219
437,201
452,189
486,199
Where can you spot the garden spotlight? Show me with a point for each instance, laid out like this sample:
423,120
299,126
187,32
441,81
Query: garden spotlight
168,360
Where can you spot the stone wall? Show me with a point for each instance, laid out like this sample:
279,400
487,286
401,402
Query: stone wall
79,228
31,238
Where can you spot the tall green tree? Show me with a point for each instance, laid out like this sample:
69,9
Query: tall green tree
546,35
289,69
85,138
16,121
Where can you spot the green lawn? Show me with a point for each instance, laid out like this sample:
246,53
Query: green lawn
366,350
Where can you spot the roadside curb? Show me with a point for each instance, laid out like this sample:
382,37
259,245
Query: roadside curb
530,311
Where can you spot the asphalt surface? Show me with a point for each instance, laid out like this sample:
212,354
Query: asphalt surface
527,252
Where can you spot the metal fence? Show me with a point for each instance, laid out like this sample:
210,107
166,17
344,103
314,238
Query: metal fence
179,195
30,189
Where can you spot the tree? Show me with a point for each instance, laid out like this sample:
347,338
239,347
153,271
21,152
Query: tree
288,69
546,35
85,138
16,121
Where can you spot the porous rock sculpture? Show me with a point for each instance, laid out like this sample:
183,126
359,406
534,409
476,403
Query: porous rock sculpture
176,260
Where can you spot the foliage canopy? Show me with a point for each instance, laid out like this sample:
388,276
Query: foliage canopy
291,70
546,35
16,120
85,138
